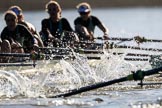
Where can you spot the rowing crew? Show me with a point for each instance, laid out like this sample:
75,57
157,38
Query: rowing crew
20,36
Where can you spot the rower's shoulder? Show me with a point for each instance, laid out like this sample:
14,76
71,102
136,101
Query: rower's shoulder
64,20
77,18
94,17
20,26
4,31
45,20
30,25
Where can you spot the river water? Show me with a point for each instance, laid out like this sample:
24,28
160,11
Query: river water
28,87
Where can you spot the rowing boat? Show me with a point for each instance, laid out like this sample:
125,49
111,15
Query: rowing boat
56,53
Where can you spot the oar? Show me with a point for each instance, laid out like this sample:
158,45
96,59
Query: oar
139,75
82,51
135,54
59,57
112,45
17,64
31,56
16,54
143,39
88,51
115,38
130,47
142,84
137,48
127,59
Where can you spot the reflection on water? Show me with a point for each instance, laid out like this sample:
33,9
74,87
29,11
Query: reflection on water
19,87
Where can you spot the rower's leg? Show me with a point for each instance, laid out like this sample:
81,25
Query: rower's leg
84,32
39,40
16,48
5,48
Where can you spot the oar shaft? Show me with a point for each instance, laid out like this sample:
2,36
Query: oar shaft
153,71
59,57
16,64
114,38
127,59
15,54
128,39
153,40
91,87
143,55
149,84
138,48
125,46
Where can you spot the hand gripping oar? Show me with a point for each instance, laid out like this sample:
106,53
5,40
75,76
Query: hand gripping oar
139,75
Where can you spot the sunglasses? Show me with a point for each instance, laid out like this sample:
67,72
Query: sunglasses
83,13
10,20
52,10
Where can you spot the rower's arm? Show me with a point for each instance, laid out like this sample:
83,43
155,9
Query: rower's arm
28,37
104,29
44,29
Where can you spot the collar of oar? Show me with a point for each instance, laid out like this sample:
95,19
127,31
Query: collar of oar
37,56
138,75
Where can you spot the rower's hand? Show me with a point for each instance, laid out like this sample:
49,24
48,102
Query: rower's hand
91,38
50,38
106,37
139,39
36,47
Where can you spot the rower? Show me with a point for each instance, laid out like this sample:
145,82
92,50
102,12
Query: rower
18,11
54,27
86,23
16,38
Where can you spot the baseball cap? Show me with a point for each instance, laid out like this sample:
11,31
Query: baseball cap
16,10
83,9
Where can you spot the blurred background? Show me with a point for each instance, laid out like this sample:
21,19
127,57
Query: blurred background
39,4
124,18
